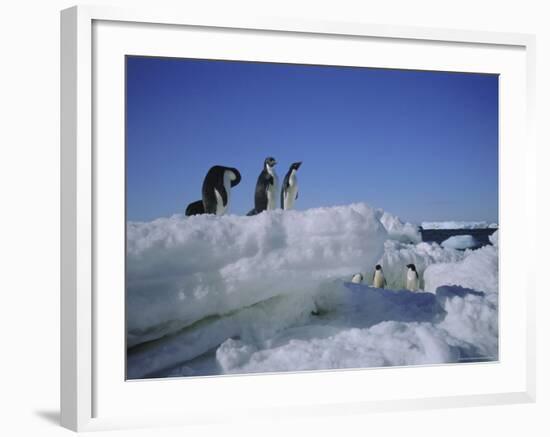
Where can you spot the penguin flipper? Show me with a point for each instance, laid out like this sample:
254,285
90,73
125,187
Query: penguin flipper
252,212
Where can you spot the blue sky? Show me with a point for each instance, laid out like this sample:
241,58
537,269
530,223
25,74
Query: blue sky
422,145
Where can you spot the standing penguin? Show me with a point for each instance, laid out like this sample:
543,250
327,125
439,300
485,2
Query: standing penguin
378,279
265,196
289,190
412,278
216,191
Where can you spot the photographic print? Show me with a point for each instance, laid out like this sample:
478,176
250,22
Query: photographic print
289,217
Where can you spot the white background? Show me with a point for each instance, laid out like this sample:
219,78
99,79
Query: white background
29,218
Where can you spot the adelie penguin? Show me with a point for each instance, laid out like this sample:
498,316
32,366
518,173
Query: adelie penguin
412,278
216,191
289,190
378,280
265,196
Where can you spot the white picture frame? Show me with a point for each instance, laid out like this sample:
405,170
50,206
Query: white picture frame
83,384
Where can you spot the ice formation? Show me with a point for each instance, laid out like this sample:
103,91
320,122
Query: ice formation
397,255
460,242
397,230
478,271
183,269
211,295
458,225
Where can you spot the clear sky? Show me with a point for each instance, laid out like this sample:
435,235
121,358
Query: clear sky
422,145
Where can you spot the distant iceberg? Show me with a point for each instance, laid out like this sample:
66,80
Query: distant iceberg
459,225
460,242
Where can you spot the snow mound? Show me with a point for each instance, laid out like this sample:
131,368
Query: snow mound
181,270
458,225
386,344
397,255
493,238
397,230
460,242
454,324
478,271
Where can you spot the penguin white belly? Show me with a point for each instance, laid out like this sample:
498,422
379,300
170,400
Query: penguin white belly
291,192
412,281
221,209
272,193
357,278
378,280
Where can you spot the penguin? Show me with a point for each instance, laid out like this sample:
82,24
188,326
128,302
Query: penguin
378,280
412,278
216,189
357,278
289,190
265,196
195,208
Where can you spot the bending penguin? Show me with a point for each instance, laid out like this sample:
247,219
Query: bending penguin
265,196
289,190
378,280
412,278
216,191
357,278
195,208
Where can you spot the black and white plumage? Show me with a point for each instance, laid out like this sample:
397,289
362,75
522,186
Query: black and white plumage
216,191
195,208
357,278
289,189
413,280
378,279
265,196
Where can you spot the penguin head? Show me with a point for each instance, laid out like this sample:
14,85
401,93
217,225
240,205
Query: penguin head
295,165
237,176
412,267
270,161
378,267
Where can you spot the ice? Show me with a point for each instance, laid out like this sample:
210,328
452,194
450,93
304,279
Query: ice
460,242
386,344
493,238
455,324
458,225
181,270
478,271
271,292
397,255
397,230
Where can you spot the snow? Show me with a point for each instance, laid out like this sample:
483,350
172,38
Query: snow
460,242
397,255
271,292
397,230
183,269
478,271
452,325
493,238
458,225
